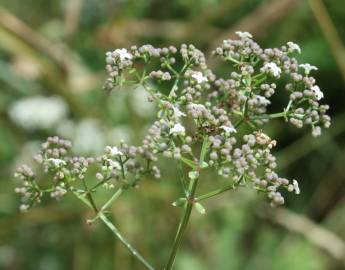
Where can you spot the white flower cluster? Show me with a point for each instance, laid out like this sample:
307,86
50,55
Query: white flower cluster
38,112
200,117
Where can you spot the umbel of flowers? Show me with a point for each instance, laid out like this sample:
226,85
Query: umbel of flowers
198,124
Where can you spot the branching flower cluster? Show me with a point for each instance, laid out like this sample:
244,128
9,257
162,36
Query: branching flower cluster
199,124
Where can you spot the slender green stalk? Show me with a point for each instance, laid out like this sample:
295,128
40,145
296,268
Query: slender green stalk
268,116
124,241
115,231
100,183
182,178
187,209
177,80
112,199
108,203
89,196
183,225
214,193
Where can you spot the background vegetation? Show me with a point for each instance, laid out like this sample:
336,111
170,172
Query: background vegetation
56,49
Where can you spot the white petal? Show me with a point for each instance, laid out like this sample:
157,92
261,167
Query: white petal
198,107
294,47
307,68
113,151
114,164
296,187
123,54
177,112
57,162
273,69
228,129
199,77
318,93
177,129
243,34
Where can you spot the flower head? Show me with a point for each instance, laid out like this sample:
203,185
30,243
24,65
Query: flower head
113,151
318,93
293,47
57,162
114,164
199,77
177,112
228,129
123,54
177,129
273,69
244,34
307,68
294,187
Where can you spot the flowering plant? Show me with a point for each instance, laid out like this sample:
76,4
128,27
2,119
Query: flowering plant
198,124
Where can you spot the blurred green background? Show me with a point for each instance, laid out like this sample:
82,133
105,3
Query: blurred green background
51,76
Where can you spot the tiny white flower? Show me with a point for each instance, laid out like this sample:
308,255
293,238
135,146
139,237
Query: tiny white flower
177,129
228,129
123,54
114,164
57,162
263,100
24,207
307,68
177,112
294,47
273,68
113,151
198,107
318,93
316,131
296,187
243,34
199,77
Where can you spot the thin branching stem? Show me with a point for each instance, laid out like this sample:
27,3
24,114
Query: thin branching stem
116,231
187,209
182,225
214,193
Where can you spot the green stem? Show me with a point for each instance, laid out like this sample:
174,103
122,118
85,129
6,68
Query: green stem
188,208
124,241
89,196
177,80
182,178
229,57
268,116
116,232
100,183
214,193
183,225
108,203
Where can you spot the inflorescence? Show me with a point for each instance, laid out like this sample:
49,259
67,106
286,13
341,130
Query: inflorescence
199,109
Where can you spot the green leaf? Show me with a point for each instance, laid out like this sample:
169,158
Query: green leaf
193,175
200,208
179,202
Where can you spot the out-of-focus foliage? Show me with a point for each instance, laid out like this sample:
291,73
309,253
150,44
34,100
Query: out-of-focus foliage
52,60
